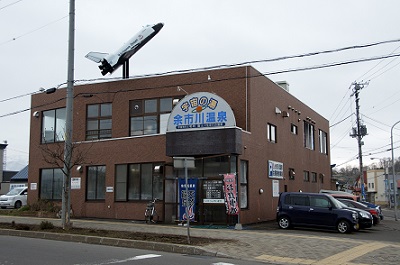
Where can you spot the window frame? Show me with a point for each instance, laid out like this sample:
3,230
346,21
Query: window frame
244,194
57,128
306,176
131,183
99,188
159,113
294,129
99,120
272,134
309,138
54,189
323,142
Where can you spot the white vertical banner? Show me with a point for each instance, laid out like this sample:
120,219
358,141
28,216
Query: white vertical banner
275,188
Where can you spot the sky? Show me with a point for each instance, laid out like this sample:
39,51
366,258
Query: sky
198,34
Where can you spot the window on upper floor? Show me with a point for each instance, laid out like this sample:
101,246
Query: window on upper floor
293,129
271,130
149,116
98,121
309,135
291,173
53,125
306,176
323,142
313,177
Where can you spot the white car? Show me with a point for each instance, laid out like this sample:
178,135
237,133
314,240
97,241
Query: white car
15,198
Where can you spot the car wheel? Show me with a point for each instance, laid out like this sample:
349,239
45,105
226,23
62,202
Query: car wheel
17,204
343,227
284,222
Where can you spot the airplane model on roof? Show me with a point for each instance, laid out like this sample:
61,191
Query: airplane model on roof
110,62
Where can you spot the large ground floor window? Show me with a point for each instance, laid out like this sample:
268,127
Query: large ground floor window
138,182
51,184
96,183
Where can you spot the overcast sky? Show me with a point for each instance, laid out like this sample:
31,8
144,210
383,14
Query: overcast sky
196,34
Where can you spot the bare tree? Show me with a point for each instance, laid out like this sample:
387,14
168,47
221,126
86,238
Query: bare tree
53,154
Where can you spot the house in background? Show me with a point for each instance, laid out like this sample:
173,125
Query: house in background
250,140
20,179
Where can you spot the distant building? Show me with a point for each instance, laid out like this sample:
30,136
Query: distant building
250,140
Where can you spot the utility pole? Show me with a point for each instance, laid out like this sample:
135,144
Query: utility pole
359,132
66,200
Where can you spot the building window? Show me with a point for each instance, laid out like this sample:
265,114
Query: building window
99,121
271,133
138,182
291,173
53,125
293,129
313,177
308,135
96,183
51,184
306,177
321,178
243,184
323,142
149,116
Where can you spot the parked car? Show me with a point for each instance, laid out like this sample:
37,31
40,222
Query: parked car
15,198
341,194
365,219
373,211
377,207
314,210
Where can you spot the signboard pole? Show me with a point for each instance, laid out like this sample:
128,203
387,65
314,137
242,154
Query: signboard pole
187,200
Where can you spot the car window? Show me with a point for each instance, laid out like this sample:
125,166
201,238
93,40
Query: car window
299,200
319,202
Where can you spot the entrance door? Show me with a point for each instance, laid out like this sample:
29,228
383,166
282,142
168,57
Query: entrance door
211,202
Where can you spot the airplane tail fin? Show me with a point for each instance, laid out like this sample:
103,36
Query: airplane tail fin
96,56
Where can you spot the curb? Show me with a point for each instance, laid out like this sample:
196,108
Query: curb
116,242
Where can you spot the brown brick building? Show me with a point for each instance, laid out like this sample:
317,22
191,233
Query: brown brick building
232,120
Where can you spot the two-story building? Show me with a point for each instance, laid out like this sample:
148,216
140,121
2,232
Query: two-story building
248,138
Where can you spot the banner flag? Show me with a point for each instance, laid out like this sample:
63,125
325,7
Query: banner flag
192,186
231,198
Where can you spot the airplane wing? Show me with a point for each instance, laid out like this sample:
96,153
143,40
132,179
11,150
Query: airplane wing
96,56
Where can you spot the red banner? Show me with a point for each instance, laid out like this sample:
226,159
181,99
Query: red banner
231,198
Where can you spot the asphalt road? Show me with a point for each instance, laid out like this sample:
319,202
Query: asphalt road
33,251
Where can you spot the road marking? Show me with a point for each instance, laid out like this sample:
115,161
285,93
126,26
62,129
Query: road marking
343,257
346,256
114,261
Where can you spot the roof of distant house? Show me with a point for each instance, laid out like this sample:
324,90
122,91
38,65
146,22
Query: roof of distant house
21,175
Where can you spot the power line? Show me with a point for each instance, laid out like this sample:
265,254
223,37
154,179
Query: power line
32,31
3,7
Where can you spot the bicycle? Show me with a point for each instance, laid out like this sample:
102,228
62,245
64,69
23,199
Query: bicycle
151,212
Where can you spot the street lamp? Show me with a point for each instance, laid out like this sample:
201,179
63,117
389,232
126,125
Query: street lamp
394,180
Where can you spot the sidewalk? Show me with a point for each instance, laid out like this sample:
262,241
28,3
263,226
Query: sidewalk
262,243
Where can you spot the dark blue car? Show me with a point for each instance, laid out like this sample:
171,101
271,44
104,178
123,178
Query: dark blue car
314,210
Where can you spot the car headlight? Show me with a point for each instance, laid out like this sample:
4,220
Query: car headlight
365,215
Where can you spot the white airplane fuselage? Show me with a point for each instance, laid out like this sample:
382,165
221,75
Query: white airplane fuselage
110,62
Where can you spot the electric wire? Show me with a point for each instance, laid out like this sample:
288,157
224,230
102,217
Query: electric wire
32,31
3,7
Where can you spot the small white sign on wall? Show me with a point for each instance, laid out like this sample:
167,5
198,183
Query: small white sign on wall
33,186
75,183
275,188
110,189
